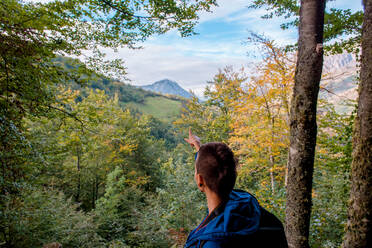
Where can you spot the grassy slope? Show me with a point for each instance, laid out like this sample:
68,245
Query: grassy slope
160,107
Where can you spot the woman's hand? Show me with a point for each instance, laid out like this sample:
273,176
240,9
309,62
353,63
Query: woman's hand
193,140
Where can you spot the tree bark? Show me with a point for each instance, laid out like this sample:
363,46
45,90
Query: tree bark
358,230
77,197
93,194
97,185
303,128
272,173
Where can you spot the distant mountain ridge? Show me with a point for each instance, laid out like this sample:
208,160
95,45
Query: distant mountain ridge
167,86
340,80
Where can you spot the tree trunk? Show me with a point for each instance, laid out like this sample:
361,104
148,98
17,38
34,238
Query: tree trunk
77,197
97,185
93,194
303,128
358,230
272,161
272,174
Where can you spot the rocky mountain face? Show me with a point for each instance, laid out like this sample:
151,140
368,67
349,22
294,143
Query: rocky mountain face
339,83
167,86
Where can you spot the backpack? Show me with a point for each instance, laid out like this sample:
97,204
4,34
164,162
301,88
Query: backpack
270,234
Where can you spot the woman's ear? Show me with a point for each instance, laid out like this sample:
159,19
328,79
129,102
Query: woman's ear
200,182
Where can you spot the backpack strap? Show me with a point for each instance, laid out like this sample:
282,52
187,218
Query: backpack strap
202,243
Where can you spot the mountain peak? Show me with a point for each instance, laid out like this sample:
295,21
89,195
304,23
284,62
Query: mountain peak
167,86
165,80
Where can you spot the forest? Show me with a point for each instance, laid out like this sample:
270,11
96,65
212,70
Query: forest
82,167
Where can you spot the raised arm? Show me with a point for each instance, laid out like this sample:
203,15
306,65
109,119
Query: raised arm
193,140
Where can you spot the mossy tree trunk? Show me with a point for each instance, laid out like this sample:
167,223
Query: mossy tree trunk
303,128
358,231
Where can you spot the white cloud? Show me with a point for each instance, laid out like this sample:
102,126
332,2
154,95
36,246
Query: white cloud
156,62
193,61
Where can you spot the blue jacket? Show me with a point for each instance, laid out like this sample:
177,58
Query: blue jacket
239,218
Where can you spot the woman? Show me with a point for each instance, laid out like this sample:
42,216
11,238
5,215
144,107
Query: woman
235,219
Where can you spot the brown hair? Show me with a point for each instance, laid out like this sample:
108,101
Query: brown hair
217,164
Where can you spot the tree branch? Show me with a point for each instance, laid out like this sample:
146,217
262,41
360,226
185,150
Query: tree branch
83,126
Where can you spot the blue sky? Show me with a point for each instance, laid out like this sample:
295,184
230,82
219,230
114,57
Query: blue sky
193,61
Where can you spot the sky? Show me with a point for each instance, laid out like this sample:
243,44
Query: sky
193,61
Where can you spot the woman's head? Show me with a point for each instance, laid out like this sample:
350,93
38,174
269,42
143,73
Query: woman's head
217,166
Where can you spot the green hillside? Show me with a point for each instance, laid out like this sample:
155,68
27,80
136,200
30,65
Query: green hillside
165,108
160,107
